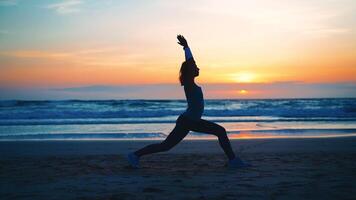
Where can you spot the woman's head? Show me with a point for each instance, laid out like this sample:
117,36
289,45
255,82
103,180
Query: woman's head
188,71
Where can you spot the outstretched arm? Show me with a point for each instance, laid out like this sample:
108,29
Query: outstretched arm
184,43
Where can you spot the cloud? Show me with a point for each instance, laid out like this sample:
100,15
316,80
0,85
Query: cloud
326,31
310,19
33,54
290,89
175,91
105,56
66,7
8,2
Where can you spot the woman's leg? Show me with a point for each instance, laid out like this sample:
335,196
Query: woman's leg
204,126
177,134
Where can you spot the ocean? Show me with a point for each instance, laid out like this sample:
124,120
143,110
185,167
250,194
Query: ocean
154,119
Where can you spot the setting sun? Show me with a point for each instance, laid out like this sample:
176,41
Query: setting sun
243,92
244,77
83,44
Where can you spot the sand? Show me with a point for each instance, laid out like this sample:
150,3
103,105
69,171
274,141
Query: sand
309,168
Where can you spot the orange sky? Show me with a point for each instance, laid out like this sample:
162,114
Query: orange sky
80,43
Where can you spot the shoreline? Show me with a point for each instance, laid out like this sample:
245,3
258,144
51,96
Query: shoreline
232,136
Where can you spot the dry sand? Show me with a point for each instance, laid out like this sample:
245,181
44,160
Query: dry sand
314,168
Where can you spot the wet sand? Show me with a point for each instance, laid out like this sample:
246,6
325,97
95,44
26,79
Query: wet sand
309,168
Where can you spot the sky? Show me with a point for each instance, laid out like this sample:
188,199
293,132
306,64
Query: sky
107,49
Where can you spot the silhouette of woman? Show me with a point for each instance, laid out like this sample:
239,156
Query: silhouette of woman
190,120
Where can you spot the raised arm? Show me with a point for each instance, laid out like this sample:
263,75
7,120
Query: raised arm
184,43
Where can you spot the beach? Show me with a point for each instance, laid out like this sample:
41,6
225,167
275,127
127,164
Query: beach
289,168
87,85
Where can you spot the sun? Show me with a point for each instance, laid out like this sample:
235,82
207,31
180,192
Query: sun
243,91
244,77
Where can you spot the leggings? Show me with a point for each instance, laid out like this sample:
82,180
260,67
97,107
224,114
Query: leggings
182,128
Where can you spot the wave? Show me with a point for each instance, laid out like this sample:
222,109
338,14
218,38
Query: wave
105,109
165,121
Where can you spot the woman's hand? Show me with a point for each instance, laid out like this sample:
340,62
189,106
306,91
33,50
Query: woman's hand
182,41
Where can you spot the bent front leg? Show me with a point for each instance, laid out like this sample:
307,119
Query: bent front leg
177,134
204,126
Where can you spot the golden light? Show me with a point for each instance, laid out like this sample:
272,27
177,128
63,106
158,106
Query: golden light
244,77
243,92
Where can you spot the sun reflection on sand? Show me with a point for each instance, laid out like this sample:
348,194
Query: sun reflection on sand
247,135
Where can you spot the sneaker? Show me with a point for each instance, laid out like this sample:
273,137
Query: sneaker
238,163
133,160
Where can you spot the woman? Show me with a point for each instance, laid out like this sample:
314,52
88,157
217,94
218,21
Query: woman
190,120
